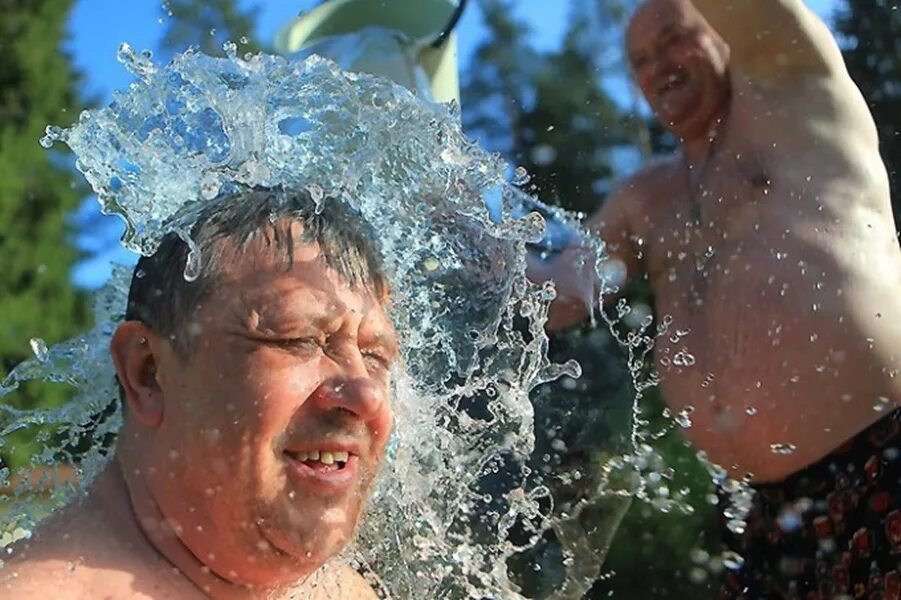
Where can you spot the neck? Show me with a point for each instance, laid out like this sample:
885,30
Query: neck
160,538
701,146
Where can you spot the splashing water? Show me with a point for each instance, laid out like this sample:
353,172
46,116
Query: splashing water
471,326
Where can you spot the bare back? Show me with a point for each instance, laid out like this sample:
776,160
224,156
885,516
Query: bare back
779,259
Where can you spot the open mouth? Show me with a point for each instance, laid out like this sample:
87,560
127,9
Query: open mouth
672,82
322,461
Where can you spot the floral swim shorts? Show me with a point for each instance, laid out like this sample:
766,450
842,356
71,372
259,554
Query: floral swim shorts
831,530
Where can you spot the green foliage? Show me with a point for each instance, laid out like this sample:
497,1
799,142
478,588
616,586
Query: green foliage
654,554
207,25
37,193
870,31
546,112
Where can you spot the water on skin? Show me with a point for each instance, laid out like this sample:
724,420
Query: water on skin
470,324
185,132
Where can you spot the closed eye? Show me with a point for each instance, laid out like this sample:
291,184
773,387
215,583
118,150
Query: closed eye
306,345
377,359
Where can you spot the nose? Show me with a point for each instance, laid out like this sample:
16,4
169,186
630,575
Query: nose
351,388
661,65
360,396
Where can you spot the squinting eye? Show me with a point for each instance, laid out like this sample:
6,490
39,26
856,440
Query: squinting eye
300,345
376,360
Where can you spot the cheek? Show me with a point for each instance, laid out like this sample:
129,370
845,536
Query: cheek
644,77
270,391
380,428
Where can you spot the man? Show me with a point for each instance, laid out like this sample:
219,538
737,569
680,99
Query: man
256,409
769,241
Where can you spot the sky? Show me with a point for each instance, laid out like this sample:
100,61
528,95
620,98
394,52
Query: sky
98,27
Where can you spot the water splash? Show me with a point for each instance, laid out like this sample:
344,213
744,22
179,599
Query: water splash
457,500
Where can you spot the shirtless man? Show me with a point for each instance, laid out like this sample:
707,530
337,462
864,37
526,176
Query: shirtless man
256,415
769,239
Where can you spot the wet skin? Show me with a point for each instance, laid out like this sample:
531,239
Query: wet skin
213,488
769,238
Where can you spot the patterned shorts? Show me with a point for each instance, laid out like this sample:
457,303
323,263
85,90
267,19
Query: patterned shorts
831,530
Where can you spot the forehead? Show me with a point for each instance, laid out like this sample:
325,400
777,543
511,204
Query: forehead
273,277
655,16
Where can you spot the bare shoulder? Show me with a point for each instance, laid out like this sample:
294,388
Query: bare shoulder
355,585
44,578
74,557
337,582
634,196
59,579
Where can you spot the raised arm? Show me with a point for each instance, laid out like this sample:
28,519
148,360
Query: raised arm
772,39
572,271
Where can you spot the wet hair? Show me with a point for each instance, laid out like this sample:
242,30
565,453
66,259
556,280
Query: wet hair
162,298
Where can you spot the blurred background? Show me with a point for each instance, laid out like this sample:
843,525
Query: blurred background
543,83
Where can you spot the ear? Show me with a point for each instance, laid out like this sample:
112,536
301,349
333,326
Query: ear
135,351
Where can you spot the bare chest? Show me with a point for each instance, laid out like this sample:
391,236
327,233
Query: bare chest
707,215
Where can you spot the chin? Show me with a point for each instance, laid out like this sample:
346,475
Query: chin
327,532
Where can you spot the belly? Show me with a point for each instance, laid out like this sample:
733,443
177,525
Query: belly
781,349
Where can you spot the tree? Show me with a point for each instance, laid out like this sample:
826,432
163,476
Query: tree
870,31
37,194
207,25
545,112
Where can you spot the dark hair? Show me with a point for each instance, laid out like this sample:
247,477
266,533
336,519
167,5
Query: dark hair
161,297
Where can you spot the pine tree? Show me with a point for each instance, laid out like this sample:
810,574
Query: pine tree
207,25
870,32
37,193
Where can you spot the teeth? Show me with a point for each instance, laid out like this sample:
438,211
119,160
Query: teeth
673,81
326,458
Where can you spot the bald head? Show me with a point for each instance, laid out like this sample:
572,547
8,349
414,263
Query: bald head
662,10
680,63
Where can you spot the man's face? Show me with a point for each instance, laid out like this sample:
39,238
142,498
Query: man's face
275,425
680,63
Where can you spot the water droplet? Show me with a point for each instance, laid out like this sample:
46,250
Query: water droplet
684,359
783,449
732,560
39,348
683,419
520,176
317,194
750,411
431,264
736,526
192,265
